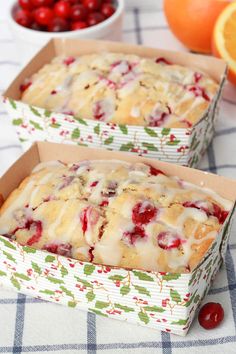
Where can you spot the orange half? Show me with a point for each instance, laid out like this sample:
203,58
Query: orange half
224,39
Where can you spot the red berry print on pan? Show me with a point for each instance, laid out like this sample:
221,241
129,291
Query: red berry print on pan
143,213
211,315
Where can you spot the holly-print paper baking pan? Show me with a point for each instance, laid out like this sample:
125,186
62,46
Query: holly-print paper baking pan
177,145
165,301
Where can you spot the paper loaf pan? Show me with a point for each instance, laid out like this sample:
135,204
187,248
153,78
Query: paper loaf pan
165,301
177,145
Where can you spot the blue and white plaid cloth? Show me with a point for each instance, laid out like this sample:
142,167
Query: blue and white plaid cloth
29,326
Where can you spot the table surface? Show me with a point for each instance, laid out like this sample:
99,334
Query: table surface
28,325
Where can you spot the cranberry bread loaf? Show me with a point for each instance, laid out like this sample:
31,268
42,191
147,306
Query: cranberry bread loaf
114,213
122,89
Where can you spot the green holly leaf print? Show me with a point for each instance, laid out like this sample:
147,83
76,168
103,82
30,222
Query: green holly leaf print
84,282
35,111
55,125
142,276
7,243
36,268
66,291
101,304
89,269
142,290
150,147
28,249
165,131
208,265
109,140
18,121
75,134
9,256
15,283
124,290
81,121
12,103
123,129
2,274
169,277
47,292
22,276
50,259
175,296
196,299
97,129
98,312
47,113
72,304
143,317
55,280
36,125
127,147
180,322
63,271
172,143
150,132
154,309
124,308
90,296
116,277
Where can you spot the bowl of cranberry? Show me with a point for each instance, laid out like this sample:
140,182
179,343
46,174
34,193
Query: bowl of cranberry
34,22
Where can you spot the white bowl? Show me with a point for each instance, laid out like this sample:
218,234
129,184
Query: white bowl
29,41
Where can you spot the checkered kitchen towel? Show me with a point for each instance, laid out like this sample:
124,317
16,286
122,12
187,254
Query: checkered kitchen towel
28,325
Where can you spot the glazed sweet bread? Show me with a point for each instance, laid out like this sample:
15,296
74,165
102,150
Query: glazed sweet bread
122,89
114,213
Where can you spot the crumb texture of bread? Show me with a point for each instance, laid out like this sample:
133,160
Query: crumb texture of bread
122,89
114,213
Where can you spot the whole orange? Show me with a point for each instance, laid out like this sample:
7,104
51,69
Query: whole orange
224,39
192,21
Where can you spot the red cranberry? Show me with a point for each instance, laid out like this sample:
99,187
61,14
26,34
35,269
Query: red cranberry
91,254
92,5
23,18
220,214
63,249
39,3
132,236
24,86
62,9
69,60
43,16
94,18
107,10
36,27
211,315
89,216
155,171
79,13
58,25
36,228
163,61
168,240
78,25
25,4
143,213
